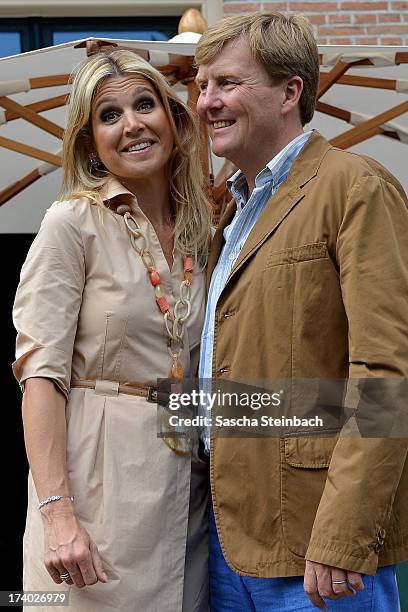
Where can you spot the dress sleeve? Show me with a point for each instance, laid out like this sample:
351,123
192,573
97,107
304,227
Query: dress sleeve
48,299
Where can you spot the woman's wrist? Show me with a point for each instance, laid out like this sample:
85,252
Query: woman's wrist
53,498
64,505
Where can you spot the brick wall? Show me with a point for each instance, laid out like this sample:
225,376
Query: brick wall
364,22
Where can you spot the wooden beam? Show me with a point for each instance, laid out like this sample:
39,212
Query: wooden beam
333,111
49,81
18,186
327,79
345,115
19,147
363,81
357,138
368,128
39,107
32,117
401,57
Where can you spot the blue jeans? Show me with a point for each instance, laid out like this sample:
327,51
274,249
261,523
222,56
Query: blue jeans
230,592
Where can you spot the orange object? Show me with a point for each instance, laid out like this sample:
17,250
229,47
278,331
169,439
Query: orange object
188,277
163,304
154,277
177,371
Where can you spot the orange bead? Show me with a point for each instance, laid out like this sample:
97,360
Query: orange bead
188,277
162,304
154,277
177,371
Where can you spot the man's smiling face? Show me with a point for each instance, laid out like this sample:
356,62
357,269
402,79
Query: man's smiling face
241,106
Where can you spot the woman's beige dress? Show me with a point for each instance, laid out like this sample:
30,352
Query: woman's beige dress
85,309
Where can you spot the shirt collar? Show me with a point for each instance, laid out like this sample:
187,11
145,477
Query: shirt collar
113,189
237,184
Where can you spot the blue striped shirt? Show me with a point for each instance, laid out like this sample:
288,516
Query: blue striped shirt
236,233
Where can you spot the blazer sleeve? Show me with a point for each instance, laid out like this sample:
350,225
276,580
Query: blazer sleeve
48,299
364,473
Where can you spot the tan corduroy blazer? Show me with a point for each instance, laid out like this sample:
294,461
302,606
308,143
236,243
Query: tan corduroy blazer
319,291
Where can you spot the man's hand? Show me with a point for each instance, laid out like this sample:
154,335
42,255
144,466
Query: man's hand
323,581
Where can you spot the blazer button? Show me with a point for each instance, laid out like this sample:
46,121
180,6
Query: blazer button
377,547
382,533
228,314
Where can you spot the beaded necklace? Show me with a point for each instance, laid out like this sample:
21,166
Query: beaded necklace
173,322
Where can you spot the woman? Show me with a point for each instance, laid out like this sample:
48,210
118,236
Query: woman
99,319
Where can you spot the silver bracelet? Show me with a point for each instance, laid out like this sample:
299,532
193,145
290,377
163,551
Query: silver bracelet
53,498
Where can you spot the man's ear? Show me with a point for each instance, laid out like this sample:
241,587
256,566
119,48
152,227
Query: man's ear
293,88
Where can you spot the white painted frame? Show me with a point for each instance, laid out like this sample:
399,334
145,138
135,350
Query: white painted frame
212,10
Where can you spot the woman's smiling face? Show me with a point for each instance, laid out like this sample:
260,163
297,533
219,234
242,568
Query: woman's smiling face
131,131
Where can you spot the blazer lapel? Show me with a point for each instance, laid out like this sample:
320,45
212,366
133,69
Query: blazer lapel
304,168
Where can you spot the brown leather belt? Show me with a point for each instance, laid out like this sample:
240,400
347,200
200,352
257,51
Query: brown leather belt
149,392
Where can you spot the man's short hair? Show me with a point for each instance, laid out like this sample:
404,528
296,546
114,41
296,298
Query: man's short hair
284,44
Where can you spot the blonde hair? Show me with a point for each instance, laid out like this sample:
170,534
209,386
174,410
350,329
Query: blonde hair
283,44
191,207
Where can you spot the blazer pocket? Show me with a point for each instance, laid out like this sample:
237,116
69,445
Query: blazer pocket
304,466
306,252
313,452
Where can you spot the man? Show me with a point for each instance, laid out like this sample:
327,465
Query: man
309,280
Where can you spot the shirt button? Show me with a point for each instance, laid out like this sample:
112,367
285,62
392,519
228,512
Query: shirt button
231,257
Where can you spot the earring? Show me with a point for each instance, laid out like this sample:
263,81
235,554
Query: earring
95,161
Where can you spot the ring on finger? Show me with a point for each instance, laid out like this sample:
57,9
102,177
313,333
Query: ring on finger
339,581
65,577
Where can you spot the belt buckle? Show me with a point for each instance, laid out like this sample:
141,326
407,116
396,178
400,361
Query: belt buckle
152,395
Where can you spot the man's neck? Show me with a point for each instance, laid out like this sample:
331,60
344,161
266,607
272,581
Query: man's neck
251,171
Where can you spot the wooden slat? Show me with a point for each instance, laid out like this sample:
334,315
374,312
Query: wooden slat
401,57
19,147
39,107
374,131
49,81
363,81
357,138
345,115
333,111
368,128
32,117
327,79
18,186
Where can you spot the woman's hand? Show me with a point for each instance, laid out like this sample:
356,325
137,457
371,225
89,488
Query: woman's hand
68,547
